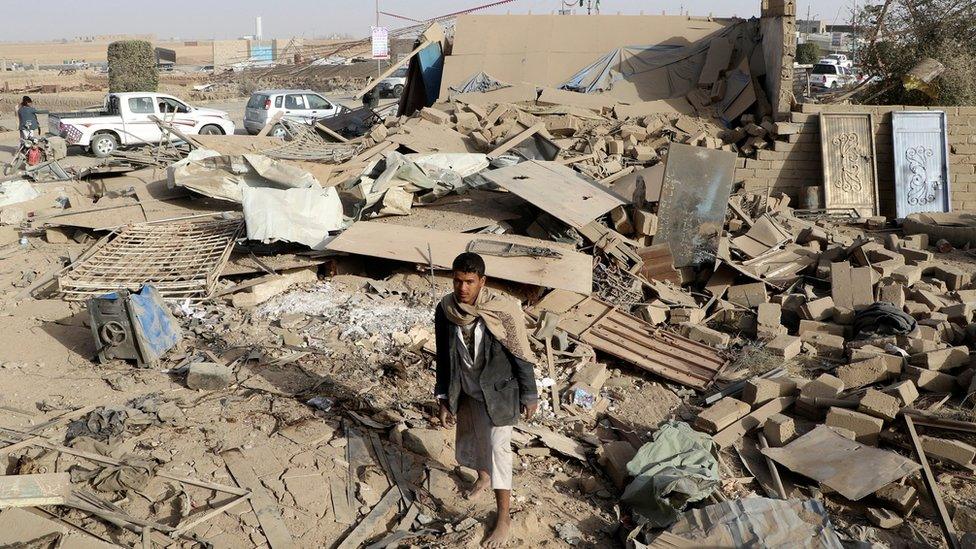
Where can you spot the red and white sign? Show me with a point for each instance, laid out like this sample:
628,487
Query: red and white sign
381,42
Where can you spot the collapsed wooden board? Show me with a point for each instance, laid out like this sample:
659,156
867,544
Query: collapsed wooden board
570,271
627,337
34,490
557,190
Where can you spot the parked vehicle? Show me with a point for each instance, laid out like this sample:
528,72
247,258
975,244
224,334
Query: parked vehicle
125,121
298,105
830,77
837,59
392,86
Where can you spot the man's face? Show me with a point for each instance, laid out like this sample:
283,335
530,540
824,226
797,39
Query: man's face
467,286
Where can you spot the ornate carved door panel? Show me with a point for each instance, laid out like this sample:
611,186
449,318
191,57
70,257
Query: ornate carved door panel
849,164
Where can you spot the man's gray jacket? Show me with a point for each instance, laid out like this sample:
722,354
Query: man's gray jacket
506,380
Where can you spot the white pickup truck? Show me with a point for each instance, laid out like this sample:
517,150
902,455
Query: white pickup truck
126,120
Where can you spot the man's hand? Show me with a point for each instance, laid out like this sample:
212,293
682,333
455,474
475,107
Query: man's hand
530,409
445,415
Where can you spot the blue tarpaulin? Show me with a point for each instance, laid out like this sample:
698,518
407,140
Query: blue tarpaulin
156,329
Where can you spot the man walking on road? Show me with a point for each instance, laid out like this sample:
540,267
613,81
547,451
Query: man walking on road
484,379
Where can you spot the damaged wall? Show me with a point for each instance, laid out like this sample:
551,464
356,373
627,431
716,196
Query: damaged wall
547,49
778,28
790,166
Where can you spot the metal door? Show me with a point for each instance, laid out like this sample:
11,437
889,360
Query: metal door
849,163
921,162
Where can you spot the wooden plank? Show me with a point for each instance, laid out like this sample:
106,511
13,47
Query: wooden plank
264,506
331,133
392,69
341,509
514,141
571,271
271,124
945,521
189,525
34,490
376,517
557,190
849,162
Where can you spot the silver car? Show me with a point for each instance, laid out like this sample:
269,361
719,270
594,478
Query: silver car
299,105
392,86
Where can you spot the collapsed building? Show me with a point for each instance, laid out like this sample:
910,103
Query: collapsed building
751,317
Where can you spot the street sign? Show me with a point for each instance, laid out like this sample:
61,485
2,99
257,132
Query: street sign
836,40
381,42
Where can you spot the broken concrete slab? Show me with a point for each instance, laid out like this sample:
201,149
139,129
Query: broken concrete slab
208,376
848,467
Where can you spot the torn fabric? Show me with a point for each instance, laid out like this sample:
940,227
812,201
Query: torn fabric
677,467
224,177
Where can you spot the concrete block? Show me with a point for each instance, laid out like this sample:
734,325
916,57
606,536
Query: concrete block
769,314
955,451
748,295
865,372
435,115
916,257
654,315
960,313
779,430
954,277
692,315
706,335
917,345
892,292
272,286
941,359
877,404
831,346
866,428
208,376
905,392
883,518
898,497
613,457
592,374
915,309
785,346
721,414
818,309
931,380
811,326
825,386
760,391
907,274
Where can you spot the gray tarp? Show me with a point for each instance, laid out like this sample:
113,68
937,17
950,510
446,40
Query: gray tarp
758,522
675,468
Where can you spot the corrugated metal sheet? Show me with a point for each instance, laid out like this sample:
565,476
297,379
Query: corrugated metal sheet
849,163
627,337
921,162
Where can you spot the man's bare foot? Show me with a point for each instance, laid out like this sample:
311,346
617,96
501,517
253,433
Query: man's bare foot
499,536
480,485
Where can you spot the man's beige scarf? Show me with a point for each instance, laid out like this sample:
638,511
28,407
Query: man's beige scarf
503,317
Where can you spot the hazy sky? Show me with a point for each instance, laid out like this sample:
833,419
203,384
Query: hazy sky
310,18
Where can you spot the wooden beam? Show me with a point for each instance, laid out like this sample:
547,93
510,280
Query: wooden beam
945,521
271,123
392,69
331,133
515,141
378,516
266,508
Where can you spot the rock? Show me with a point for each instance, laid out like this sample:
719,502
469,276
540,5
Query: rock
964,518
883,518
208,376
426,442
569,533
466,475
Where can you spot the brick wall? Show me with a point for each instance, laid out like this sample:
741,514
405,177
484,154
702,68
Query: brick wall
793,164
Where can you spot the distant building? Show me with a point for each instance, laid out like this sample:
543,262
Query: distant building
810,26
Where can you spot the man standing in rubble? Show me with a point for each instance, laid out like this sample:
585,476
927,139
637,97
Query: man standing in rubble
484,379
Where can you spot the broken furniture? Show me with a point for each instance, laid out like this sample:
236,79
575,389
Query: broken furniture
133,326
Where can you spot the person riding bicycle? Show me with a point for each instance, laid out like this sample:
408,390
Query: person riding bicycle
27,119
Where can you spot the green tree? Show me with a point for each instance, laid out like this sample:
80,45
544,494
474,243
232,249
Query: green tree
132,67
910,31
807,53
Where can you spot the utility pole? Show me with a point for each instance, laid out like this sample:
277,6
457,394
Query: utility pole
378,71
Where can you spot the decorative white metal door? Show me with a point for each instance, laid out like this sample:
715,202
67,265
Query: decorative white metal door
921,153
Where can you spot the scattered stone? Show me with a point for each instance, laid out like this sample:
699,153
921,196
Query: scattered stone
905,391
825,386
901,498
208,376
779,430
955,451
877,404
760,391
721,414
785,346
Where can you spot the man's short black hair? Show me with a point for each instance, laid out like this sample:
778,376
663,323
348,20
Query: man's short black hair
469,262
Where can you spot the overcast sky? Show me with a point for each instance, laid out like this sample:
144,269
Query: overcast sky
310,18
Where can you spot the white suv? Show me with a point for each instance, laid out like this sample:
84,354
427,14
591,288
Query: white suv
299,105
830,77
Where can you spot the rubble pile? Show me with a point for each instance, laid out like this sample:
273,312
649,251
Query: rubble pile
710,359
